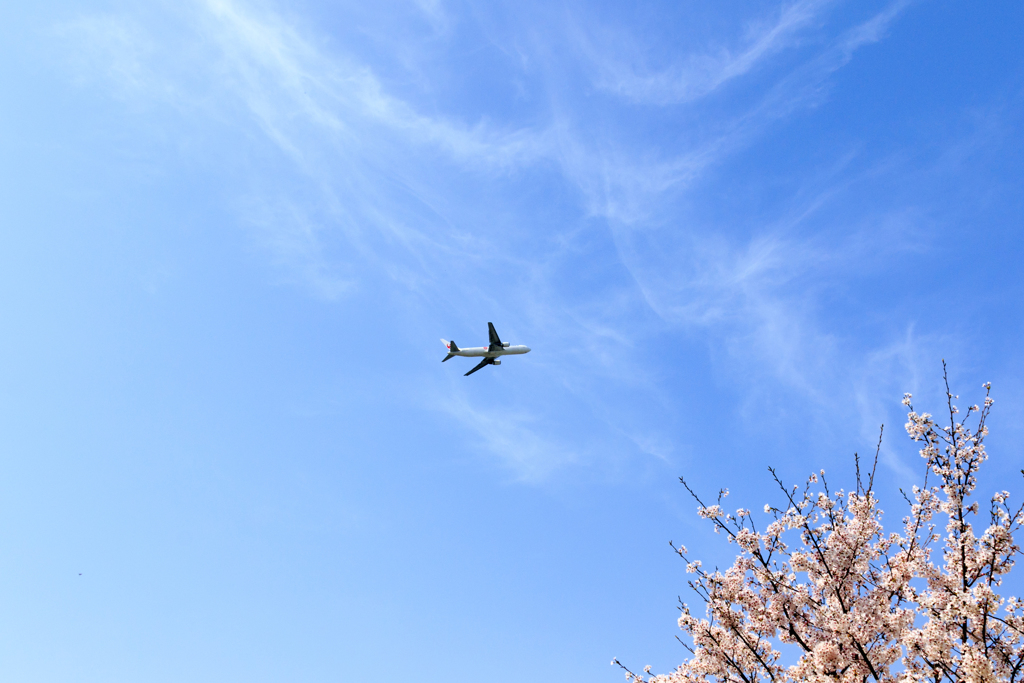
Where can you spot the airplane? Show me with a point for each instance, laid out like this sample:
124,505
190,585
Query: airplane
490,352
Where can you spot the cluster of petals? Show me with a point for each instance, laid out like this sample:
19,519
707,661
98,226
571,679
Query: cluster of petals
824,579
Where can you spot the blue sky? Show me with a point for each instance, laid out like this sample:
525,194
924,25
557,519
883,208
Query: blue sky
233,233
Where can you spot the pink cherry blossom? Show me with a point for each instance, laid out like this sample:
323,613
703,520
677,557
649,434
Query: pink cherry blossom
860,604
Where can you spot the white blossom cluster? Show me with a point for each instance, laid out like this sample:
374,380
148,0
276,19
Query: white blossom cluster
859,603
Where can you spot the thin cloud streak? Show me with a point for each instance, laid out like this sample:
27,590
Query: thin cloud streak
280,74
331,117
742,291
510,435
625,192
701,74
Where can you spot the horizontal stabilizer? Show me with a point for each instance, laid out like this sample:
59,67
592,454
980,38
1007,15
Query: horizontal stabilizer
452,349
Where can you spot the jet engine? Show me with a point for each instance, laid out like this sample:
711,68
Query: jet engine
497,362
505,345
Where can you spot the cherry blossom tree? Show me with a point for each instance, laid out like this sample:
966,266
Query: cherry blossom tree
856,602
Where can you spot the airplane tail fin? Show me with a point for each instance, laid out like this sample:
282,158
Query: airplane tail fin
452,349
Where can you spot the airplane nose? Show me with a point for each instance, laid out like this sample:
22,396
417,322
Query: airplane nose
528,349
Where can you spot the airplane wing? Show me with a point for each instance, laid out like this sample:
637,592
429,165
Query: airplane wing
485,361
495,340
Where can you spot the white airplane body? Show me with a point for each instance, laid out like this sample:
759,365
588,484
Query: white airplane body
490,353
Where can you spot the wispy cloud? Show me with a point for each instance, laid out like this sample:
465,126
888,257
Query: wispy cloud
294,239
288,83
627,187
892,369
511,435
331,116
390,185
758,293
123,52
697,74
807,84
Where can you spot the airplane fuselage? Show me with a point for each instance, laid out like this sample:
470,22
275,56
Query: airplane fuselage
488,352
